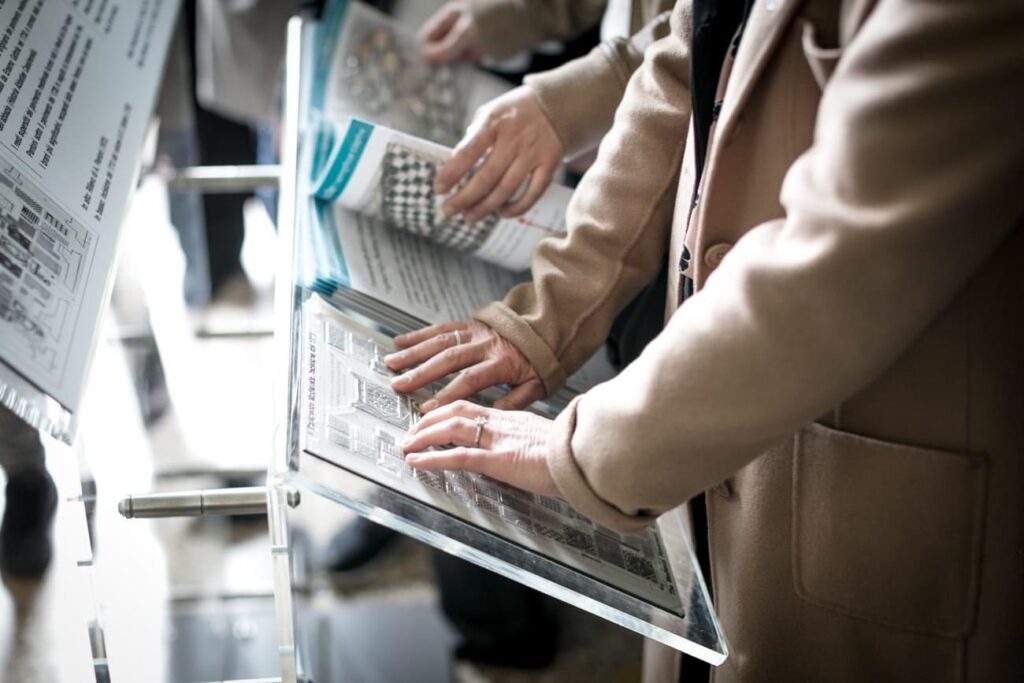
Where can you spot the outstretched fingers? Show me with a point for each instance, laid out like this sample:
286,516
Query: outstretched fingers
436,367
455,431
454,409
470,382
540,179
515,177
426,349
465,157
404,341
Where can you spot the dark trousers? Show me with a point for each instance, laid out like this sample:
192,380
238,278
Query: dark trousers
498,621
220,142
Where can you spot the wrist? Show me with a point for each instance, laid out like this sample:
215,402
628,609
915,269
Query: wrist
503,320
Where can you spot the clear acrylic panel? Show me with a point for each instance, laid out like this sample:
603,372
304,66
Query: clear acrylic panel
471,520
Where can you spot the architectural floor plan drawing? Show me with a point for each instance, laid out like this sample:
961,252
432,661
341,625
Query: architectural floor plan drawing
71,144
45,257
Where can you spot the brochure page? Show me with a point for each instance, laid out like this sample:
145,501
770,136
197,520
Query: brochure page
390,175
369,66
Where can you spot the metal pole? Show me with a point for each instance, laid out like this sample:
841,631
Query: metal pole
214,179
251,500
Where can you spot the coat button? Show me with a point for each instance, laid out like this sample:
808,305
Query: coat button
725,489
714,254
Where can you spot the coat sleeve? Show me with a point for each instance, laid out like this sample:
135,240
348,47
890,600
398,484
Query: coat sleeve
912,182
618,222
580,97
510,26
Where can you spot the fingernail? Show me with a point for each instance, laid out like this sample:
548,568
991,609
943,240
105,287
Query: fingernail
427,406
447,210
399,381
413,458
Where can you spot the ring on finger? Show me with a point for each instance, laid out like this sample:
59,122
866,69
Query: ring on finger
479,421
458,338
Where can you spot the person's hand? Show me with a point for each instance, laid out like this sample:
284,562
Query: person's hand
450,34
510,141
479,354
513,445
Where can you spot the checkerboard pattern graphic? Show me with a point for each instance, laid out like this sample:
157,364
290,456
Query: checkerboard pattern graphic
407,181
408,202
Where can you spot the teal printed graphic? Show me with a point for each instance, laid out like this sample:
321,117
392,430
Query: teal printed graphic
342,162
326,39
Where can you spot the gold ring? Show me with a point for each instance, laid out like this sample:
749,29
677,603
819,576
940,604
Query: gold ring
458,338
480,421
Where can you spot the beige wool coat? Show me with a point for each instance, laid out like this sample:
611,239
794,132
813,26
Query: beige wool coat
847,384
579,98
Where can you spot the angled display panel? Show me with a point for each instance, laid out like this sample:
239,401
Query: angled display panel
338,425
70,147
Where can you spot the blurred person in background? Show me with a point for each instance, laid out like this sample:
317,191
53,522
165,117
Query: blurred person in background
30,500
219,105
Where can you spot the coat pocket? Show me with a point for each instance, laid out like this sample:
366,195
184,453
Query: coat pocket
821,60
887,533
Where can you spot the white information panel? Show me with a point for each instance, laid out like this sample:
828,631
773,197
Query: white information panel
78,80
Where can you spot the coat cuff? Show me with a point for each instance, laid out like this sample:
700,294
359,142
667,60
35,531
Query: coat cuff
572,481
512,327
579,98
504,27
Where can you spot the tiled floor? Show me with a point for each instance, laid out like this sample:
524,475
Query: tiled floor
160,583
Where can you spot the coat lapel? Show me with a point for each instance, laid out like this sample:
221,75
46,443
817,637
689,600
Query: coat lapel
765,27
